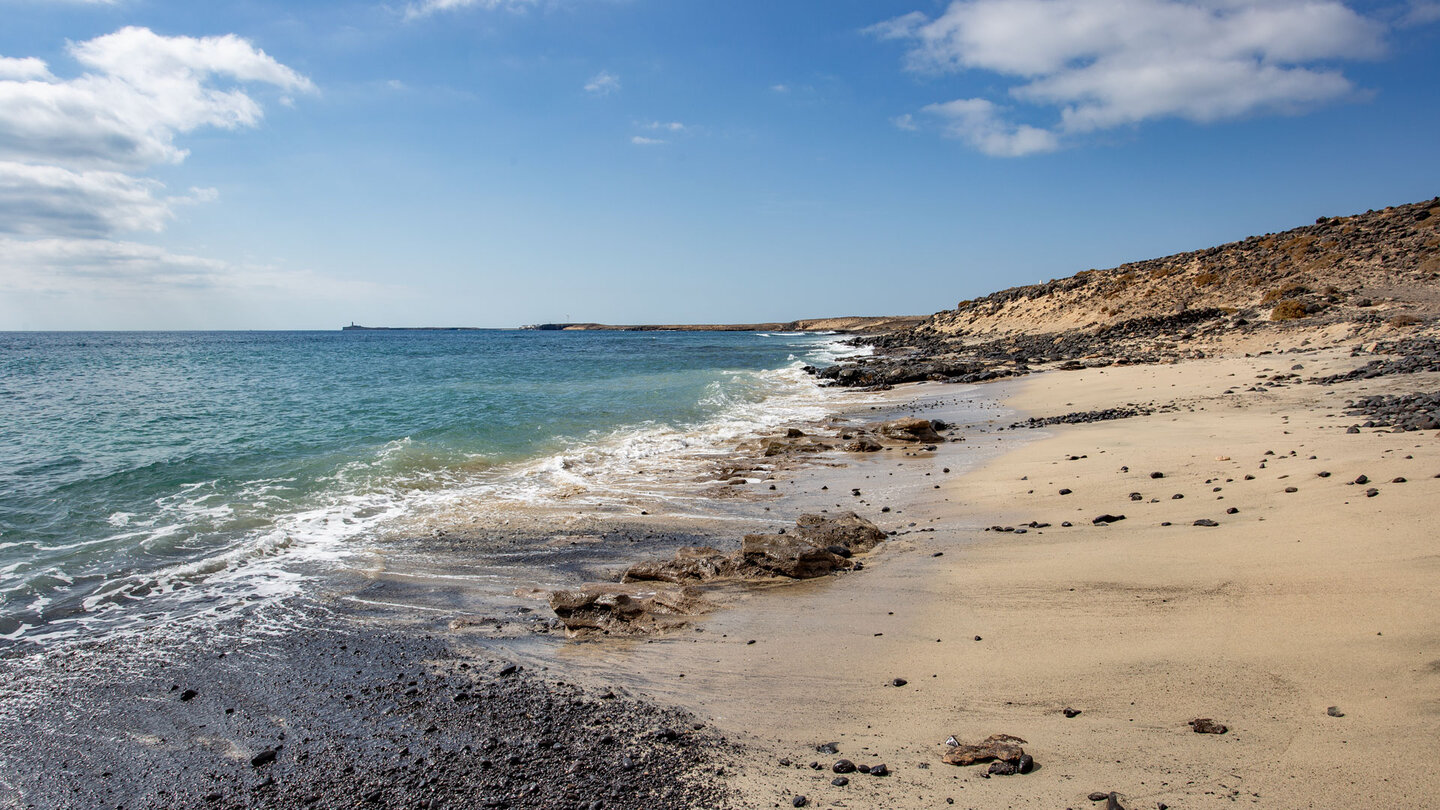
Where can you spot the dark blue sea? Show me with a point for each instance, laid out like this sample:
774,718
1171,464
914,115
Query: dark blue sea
141,473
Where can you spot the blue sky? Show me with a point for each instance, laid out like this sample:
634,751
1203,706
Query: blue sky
271,165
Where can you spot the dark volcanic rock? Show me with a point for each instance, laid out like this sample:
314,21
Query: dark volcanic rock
1408,412
1103,519
1204,725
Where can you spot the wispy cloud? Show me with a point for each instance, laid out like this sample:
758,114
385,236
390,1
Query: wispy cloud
641,140
425,8
603,84
665,126
905,122
1101,64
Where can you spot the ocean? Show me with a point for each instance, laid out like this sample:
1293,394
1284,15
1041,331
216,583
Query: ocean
148,477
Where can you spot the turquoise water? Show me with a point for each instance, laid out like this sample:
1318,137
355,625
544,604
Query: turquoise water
134,465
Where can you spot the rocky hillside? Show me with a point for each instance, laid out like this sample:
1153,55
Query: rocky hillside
1359,279
1373,266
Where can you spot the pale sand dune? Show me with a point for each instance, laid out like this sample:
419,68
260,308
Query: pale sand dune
1301,601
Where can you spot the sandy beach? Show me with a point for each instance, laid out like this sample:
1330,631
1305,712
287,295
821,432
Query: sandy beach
1308,595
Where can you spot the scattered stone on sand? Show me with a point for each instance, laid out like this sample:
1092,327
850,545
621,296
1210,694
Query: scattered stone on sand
1361,480
1004,747
1107,518
799,801
1206,522
1069,712
1371,492
1232,511
898,682
1334,711
1157,475
1204,725
843,766
264,758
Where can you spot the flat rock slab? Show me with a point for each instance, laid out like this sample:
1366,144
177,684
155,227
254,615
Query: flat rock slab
1003,747
626,609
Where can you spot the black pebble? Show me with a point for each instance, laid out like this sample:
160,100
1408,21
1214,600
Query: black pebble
843,766
840,781
799,801
899,682
263,758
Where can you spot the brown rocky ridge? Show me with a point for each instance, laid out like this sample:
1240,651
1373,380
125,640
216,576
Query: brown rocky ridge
1371,276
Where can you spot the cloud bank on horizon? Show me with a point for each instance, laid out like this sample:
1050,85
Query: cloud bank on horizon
1099,64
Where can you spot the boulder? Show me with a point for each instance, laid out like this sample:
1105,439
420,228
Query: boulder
690,564
787,445
787,555
625,610
1003,747
910,430
845,529
863,444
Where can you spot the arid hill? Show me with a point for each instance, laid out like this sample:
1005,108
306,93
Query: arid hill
1376,265
1370,277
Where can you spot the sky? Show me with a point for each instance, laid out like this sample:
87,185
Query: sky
258,164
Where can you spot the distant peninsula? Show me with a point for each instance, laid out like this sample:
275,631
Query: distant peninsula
354,327
857,324
849,324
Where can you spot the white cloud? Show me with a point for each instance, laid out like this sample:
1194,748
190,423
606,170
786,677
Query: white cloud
641,140
779,88
1421,12
58,266
52,200
905,122
666,126
144,90
73,151
23,69
425,8
603,83
977,121
1103,64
